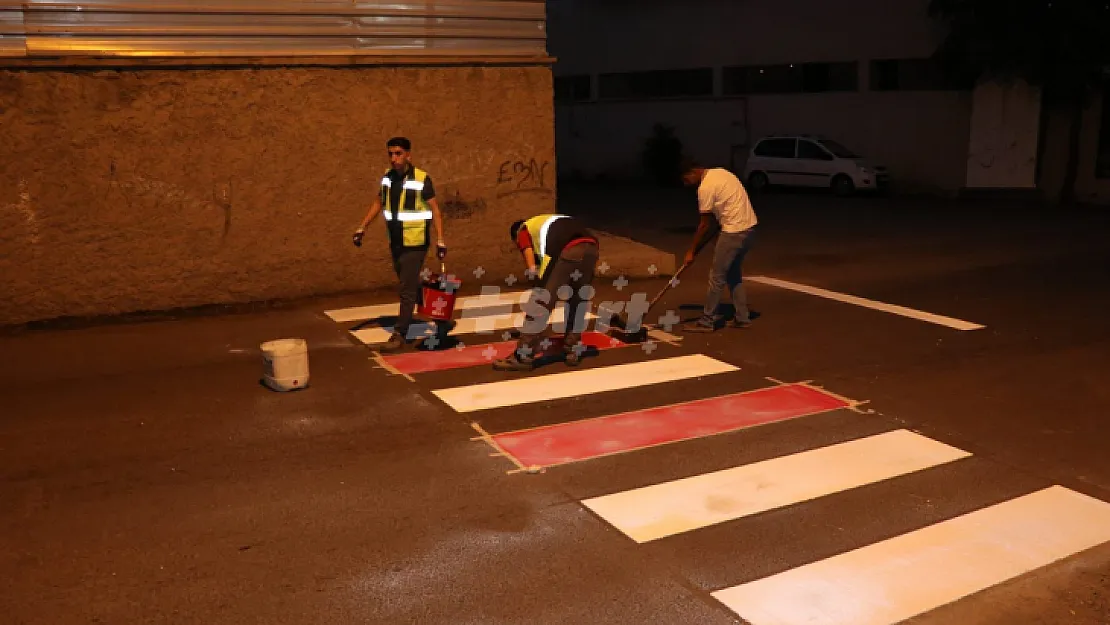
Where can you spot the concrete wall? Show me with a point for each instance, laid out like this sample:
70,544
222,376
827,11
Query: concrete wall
921,135
1088,188
150,189
629,35
1005,126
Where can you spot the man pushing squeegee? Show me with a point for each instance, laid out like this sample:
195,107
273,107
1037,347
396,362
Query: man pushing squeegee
721,196
629,325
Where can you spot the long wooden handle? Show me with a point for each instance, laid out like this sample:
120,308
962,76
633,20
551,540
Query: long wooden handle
669,283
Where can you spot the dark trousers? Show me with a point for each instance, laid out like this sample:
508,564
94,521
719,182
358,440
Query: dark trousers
570,278
407,263
728,261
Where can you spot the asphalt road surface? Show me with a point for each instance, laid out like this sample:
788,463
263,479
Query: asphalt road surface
841,461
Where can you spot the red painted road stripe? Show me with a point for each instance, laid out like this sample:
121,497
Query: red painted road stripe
475,355
591,438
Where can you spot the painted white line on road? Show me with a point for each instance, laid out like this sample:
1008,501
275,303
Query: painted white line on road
486,324
362,313
896,579
867,303
578,383
669,508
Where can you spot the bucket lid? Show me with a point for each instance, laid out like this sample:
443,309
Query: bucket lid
284,347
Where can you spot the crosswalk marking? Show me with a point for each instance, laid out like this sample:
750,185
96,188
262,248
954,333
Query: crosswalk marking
572,441
469,303
483,354
670,508
466,325
878,584
896,579
920,315
576,383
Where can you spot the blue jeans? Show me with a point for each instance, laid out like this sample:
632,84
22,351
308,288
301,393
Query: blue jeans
728,257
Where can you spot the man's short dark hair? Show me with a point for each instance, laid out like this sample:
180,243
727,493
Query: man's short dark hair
515,228
688,165
399,142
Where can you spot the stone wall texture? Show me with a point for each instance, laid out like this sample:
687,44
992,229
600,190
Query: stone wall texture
152,189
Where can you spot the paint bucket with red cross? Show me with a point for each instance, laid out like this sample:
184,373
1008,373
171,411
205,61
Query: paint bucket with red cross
438,294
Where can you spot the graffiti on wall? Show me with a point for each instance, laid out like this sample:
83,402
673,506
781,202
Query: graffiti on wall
456,207
523,176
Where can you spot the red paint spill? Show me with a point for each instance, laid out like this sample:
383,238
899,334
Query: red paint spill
591,438
476,355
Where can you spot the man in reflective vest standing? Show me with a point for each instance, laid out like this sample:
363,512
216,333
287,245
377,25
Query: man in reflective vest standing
410,206
560,253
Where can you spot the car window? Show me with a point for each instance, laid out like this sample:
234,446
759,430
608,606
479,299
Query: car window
776,148
838,149
811,151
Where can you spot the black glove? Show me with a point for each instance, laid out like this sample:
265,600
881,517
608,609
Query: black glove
357,238
441,252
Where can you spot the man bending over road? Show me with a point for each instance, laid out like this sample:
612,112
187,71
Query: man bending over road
561,252
722,196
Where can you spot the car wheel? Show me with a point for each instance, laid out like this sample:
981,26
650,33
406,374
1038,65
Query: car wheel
843,186
758,181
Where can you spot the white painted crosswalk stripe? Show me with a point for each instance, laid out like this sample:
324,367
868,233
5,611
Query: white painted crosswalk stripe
469,303
895,309
670,508
499,321
575,383
882,583
896,579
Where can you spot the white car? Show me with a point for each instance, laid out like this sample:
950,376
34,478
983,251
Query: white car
811,161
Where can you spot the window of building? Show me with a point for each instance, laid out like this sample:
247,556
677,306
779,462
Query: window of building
670,83
572,88
791,78
758,80
776,148
910,75
819,77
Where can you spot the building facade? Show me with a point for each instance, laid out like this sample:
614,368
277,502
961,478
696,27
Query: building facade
162,155
722,74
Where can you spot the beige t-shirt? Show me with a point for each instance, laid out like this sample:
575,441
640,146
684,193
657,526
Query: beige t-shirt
722,194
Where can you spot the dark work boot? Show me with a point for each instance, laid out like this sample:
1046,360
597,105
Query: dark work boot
573,349
522,359
701,325
396,341
513,363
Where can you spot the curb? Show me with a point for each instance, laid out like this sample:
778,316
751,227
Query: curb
633,259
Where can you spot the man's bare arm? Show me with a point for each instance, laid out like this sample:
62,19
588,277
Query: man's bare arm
437,219
530,261
704,225
375,208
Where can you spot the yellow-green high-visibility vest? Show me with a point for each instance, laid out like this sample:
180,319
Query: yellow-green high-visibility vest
537,227
414,214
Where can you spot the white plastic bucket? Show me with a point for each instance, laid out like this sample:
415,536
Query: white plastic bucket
285,364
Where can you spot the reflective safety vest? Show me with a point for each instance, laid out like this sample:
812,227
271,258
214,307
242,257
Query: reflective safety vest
538,227
414,214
